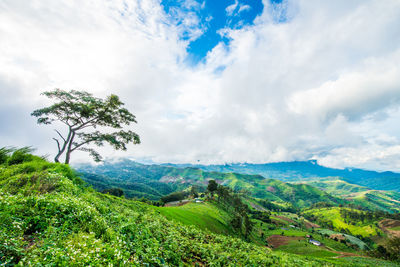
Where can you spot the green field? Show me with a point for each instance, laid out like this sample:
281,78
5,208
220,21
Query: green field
206,216
307,249
49,217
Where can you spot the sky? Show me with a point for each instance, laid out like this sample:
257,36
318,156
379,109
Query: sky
213,81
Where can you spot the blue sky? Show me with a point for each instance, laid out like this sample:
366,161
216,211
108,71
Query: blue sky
213,16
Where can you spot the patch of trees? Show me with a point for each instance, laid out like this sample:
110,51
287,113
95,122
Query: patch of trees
273,207
323,223
352,216
389,251
261,215
241,221
175,196
118,192
157,203
322,205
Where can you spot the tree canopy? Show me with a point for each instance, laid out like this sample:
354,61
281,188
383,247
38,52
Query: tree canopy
212,186
83,114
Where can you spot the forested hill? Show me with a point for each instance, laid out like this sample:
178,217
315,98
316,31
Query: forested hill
304,170
155,181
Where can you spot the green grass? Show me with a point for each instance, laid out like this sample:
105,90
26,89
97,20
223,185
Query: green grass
206,216
304,248
360,261
48,217
266,229
288,232
397,228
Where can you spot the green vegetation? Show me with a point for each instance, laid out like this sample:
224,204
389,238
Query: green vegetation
206,216
281,215
388,201
300,171
156,181
50,217
352,239
305,248
336,187
333,218
150,180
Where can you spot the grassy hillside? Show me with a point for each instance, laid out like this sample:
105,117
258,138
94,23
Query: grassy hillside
278,234
388,201
332,216
153,181
205,216
49,217
309,170
336,186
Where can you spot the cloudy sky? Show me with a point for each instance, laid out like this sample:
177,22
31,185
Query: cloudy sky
214,81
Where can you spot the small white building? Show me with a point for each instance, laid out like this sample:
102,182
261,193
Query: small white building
315,242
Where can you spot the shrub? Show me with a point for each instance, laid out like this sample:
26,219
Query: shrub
5,154
20,155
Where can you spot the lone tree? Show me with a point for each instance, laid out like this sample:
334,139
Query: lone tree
83,114
212,187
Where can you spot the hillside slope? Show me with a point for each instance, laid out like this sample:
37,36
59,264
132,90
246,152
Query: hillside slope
152,181
49,217
305,170
388,201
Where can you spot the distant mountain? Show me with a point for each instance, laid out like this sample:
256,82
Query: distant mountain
154,181
305,170
360,195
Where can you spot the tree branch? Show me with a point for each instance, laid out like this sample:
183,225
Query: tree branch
81,144
58,144
60,135
83,125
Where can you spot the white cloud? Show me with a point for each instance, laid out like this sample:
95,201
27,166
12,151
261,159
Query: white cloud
244,8
236,6
231,8
322,85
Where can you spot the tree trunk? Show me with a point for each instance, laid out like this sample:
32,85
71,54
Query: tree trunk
61,151
68,154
